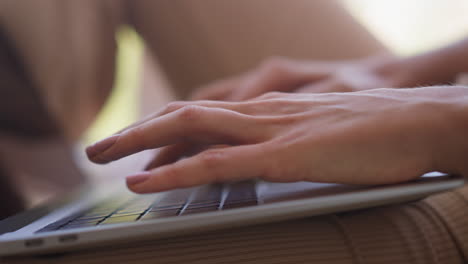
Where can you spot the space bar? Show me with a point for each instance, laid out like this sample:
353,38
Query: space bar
241,194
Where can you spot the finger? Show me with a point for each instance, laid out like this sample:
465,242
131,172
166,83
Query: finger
170,154
204,96
174,106
327,86
173,153
266,105
275,95
276,75
189,124
217,91
280,75
234,163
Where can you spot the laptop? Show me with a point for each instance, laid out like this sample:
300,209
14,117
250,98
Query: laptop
98,216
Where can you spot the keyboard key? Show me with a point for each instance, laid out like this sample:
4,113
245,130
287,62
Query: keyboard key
110,204
78,225
239,204
241,192
51,227
139,212
159,214
200,209
78,221
207,194
206,198
90,217
173,199
198,205
133,209
96,214
100,213
120,219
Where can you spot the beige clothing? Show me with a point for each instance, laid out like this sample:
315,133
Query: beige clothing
68,48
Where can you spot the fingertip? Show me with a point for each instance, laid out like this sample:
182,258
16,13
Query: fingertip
93,152
99,160
135,189
138,178
136,182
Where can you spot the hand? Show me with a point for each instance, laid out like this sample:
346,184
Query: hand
378,136
286,75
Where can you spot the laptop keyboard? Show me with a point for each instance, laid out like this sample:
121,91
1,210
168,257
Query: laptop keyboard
132,208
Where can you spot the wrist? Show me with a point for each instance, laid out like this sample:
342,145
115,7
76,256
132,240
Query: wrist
450,152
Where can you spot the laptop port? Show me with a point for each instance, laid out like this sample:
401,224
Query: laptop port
68,238
34,242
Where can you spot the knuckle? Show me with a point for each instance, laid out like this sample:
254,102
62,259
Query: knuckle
211,162
173,106
274,62
211,159
191,112
136,137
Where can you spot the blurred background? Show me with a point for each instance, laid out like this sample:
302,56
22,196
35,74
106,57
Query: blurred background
405,26
198,43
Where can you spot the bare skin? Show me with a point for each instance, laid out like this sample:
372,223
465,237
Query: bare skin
286,75
340,131
378,136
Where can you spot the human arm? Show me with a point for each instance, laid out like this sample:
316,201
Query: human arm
435,67
197,42
378,136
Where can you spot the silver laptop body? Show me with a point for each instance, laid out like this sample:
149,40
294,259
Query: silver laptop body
105,214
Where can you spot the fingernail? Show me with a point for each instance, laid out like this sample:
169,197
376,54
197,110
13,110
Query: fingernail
101,146
138,178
